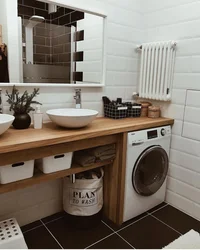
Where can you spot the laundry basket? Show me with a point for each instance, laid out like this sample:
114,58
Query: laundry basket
83,199
11,236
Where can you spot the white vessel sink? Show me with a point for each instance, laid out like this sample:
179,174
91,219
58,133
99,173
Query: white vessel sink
5,122
72,118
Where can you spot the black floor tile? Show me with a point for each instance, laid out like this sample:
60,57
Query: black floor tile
40,238
71,238
177,219
53,217
112,242
115,227
31,226
149,233
157,207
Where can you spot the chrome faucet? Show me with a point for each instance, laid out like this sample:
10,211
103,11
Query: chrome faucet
77,97
1,102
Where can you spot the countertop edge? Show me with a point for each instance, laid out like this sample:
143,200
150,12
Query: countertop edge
87,135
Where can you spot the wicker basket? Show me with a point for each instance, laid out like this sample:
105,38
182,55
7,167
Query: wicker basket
145,105
154,112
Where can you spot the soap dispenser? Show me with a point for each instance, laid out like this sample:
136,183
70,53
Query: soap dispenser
38,118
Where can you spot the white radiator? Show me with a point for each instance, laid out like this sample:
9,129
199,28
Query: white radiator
157,70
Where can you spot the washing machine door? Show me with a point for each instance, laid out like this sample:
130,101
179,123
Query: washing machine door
150,171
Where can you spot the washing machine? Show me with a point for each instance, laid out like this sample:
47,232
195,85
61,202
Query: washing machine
146,170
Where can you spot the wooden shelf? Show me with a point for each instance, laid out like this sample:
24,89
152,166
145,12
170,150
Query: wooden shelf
40,177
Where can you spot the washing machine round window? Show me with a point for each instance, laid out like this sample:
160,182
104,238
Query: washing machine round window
150,171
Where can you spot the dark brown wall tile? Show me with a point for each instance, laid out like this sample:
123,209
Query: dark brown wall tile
79,36
47,41
77,15
58,49
60,12
39,58
38,40
78,56
55,59
48,59
64,20
55,41
55,21
43,49
64,39
65,57
58,31
42,13
35,4
78,76
67,47
27,11
41,32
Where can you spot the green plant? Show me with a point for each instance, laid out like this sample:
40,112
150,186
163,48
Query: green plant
22,105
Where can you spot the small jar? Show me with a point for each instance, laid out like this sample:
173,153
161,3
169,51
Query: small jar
144,111
154,112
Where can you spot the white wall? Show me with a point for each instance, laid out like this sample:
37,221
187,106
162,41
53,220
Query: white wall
92,46
179,20
125,31
3,21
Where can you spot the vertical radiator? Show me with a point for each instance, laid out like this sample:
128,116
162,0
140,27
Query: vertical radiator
157,70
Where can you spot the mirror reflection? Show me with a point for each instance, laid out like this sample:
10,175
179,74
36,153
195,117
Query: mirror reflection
58,44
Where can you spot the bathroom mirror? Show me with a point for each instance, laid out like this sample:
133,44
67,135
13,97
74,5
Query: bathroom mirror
58,45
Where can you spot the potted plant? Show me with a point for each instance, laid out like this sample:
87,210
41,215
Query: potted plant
21,107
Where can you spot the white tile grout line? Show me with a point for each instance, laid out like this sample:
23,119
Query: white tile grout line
165,224
125,240
100,240
158,209
108,226
118,235
42,224
32,229
53,220
132,223
52,235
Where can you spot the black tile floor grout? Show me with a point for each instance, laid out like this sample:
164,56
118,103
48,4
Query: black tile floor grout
52,235
165,224
119,230
114,231
118,234
158,209
125,240
106,237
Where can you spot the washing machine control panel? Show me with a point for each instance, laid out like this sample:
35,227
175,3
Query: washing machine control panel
139,137
163,132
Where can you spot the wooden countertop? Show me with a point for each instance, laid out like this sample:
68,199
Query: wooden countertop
15,140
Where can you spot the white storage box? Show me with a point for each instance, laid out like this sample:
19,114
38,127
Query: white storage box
11,236
55,163
16,172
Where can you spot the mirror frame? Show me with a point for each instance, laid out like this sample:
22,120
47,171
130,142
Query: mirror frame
93,11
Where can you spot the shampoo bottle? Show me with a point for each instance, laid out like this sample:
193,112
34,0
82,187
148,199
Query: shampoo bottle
38,118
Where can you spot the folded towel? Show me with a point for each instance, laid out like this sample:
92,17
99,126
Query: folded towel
104,150
83,158
106,157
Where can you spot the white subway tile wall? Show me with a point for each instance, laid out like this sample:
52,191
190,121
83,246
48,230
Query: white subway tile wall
125,31
131,22
179,20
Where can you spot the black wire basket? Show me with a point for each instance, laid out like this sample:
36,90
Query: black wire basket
114,111
134,109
